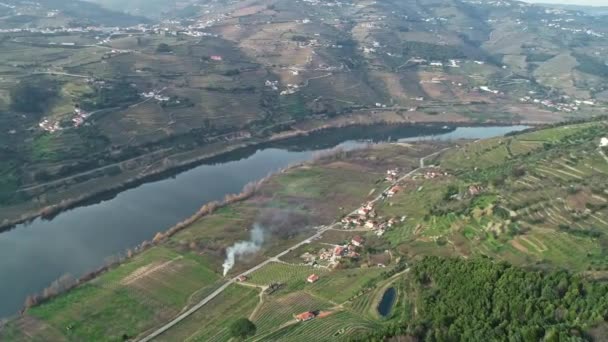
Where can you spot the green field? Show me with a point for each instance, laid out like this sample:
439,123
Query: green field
212,323
129,299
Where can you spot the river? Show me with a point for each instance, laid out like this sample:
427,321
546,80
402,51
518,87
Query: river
76,241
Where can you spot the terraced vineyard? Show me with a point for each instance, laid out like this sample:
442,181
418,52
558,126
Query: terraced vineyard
213,324
536,198
332,327
277,310
135,297
292,276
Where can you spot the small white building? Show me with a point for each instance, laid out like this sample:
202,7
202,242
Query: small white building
604,142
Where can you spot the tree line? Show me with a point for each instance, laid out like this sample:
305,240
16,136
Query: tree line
484,300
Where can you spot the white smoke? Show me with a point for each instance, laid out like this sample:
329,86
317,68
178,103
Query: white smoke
244,247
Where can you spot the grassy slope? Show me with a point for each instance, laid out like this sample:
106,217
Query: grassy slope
550,182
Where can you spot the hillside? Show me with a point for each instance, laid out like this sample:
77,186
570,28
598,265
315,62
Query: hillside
505,213
88,93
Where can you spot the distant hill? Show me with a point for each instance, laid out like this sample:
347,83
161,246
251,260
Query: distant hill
146,8
62,12
591,10
207,71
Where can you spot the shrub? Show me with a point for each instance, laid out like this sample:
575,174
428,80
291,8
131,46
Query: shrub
242,328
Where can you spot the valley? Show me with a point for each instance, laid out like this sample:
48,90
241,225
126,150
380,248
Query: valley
288,170
530,199
118,97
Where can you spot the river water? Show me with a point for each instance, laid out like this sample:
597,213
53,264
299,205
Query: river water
34,254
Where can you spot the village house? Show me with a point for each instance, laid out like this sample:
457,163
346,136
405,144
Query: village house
391,175
241,278
353,254
475,190
363,211
357,241
434,174
392,191
339,251
312,278
305,316
324,254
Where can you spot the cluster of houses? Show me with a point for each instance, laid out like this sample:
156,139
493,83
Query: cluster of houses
156,95
53,126
432,174
560,106
79,116
366,217
50,126
332,256
360,217
392,175
291,89
274,85
557,24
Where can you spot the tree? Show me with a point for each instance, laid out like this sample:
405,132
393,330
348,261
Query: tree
32,97
242,328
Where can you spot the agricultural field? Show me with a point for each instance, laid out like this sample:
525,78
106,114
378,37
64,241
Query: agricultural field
96,93
212,323
534,199
129,299
531,199
179,270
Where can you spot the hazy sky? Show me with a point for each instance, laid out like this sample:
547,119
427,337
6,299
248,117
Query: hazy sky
572,2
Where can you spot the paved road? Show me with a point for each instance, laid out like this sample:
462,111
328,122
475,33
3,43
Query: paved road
320,231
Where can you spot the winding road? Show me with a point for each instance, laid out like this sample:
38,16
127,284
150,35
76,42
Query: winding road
320,231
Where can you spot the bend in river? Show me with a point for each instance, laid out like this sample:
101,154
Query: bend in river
81,239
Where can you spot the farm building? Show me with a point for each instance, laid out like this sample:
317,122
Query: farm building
312,278
241,278
305,316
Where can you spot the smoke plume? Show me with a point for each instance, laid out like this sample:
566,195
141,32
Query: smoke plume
244,247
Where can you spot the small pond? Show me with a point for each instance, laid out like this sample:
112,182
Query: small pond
387,302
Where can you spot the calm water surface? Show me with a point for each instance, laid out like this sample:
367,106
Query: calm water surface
387,302
81,239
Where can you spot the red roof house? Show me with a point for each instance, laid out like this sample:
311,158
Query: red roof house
357,241
312,278
305,316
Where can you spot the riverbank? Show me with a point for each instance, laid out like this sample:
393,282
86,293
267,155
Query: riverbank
68,193
188,265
